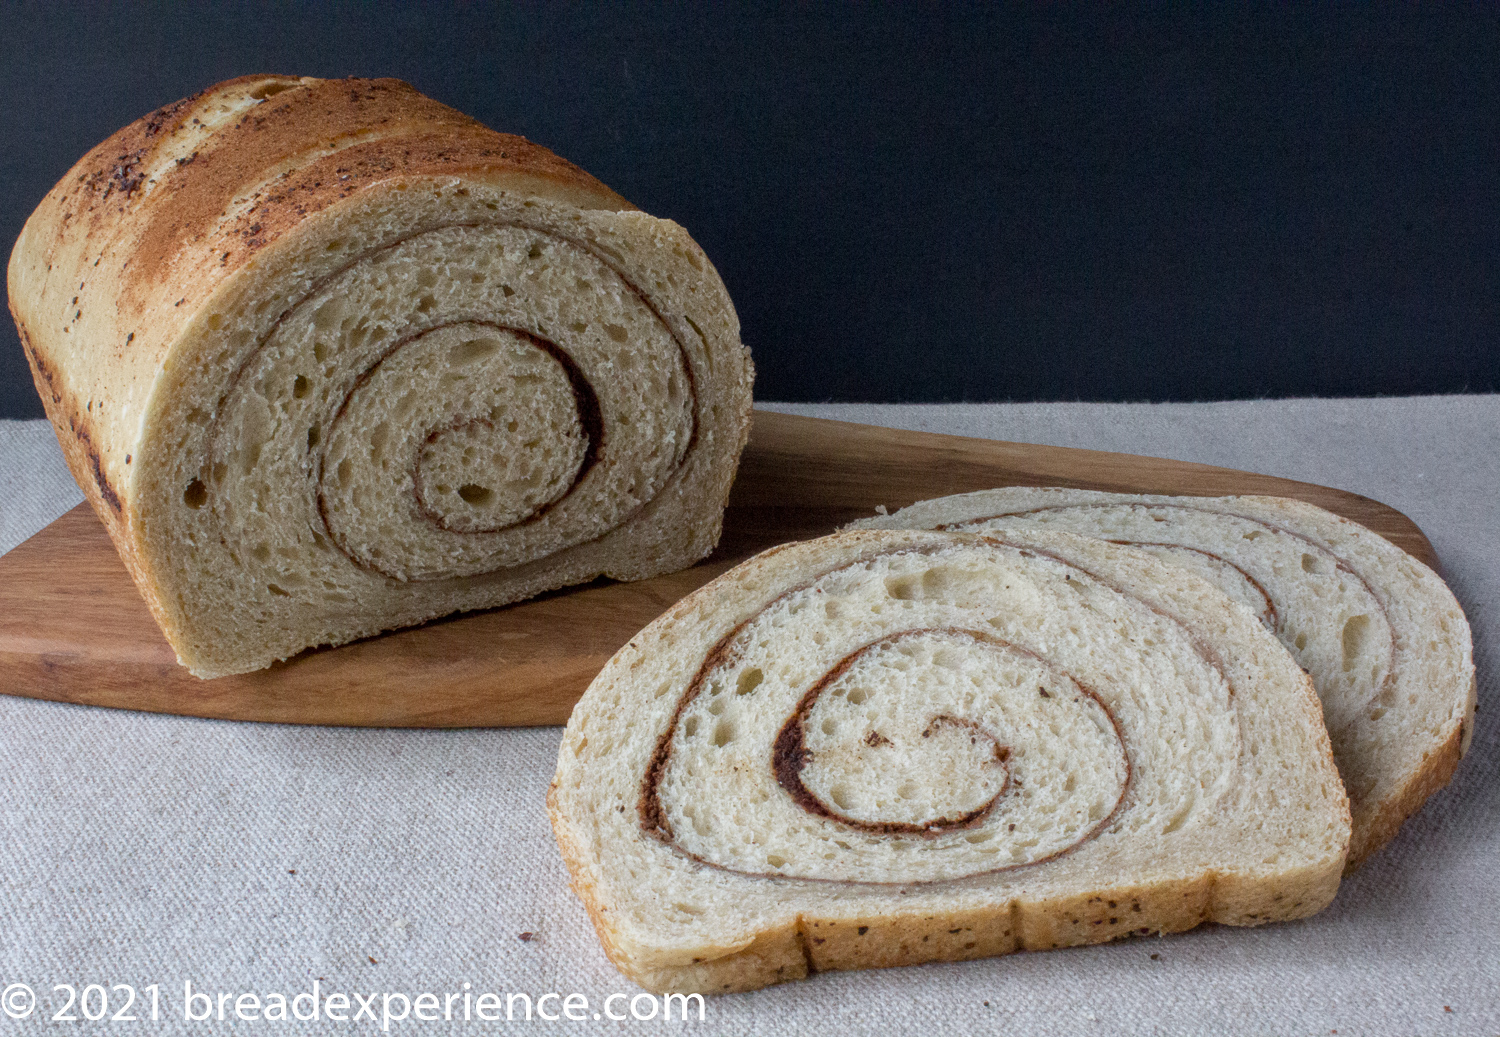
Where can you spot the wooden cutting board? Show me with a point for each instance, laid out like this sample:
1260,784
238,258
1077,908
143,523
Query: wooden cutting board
74,629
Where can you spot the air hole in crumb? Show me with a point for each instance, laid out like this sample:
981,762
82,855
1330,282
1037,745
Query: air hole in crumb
300,387
691,727
473,493
902,588
475,349
1356,633
1309,564
749,681
536,251
277,591
723,733
616,332
196,494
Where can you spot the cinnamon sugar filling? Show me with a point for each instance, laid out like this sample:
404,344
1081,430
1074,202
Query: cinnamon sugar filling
988,709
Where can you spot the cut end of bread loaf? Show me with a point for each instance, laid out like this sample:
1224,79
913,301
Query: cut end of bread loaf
345,360
1384,640
882,748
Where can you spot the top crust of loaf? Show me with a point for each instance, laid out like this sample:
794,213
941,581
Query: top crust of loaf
116,262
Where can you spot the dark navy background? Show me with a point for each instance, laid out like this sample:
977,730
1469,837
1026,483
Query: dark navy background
934,202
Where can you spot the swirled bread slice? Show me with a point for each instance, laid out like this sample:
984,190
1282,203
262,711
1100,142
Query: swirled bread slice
881,748
1386,644
330,358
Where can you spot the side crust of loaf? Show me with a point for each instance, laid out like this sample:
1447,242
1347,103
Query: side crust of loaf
812,944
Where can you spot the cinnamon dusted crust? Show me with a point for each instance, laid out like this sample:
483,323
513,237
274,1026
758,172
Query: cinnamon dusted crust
882,748
171,278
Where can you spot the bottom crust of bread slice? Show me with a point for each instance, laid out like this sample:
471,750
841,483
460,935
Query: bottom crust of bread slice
1385,642
883,748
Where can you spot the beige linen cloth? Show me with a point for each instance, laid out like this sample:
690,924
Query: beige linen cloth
142,849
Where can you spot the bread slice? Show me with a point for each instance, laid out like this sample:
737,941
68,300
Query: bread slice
881,748
330,358
1386,644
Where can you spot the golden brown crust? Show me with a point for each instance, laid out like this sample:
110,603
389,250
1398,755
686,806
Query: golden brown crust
1437,770
112,264
811,945
890,941
814,945
380,127
75,435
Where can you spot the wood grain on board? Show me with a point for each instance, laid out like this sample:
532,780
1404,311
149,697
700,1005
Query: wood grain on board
74,629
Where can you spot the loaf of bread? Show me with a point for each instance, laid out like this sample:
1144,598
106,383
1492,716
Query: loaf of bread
888,747
330,358
1386,644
